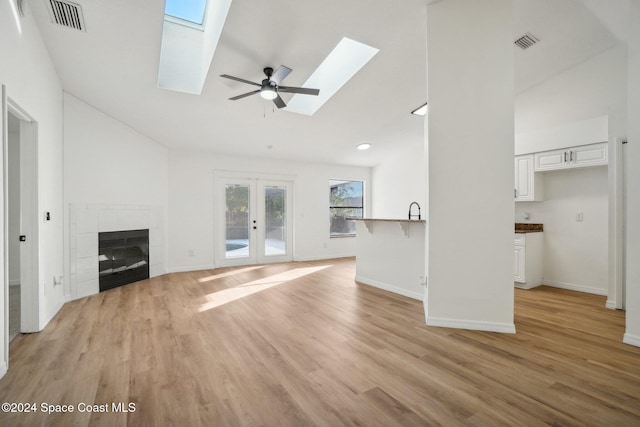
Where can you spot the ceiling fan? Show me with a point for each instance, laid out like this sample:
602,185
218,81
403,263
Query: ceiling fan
270,86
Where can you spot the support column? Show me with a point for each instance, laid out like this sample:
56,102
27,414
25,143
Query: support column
470,165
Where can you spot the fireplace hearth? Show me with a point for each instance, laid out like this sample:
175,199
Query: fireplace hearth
123,257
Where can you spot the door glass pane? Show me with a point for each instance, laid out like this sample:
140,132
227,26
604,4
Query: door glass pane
275,237
237,217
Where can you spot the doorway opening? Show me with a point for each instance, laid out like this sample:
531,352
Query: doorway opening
254,221
13,208
20,224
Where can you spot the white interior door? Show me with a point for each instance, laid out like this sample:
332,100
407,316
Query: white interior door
254,221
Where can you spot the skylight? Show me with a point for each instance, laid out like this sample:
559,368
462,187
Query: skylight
187,10
190,35
344,61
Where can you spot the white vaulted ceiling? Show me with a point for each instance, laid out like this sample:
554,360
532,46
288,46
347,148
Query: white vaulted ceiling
113,66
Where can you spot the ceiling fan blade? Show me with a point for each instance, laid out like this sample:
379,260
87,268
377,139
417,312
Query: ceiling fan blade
279,102
281,73
238,79
244,95
302,90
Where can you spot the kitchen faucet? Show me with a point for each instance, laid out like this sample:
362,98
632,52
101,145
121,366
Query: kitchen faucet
411,206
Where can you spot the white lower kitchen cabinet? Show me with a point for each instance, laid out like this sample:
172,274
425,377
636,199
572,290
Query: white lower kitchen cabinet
527,260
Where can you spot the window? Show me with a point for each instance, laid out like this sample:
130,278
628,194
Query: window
345,202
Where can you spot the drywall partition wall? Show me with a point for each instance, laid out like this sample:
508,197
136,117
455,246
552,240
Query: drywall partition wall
109,166
575,252
31,83
470,164
632,335
191,213
398,181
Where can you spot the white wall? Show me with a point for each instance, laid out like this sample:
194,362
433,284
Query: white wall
575,253
594,88
470,164
32,83
109,163
191,205
398,181
632,335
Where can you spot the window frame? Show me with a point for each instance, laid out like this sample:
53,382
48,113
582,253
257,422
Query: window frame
334,183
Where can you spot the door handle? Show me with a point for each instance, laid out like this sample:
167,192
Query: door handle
23,238
565,157
571,156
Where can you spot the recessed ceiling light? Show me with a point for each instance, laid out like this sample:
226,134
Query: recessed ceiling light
364,146
421,110
344,61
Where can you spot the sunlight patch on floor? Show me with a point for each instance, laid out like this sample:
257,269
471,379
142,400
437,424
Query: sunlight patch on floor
225,296
229,273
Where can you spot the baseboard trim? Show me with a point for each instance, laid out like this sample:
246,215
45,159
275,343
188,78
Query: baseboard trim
390,288
631,339
322,257
190,268
505,328
524,285
574,287
611,305
3,368
51,315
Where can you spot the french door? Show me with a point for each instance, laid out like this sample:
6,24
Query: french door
254,221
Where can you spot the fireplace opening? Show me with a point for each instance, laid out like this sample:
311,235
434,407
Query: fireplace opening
123,257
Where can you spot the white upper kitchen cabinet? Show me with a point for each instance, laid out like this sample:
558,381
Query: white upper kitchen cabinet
574,157
528,184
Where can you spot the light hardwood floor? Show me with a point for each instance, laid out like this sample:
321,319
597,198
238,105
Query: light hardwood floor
302,344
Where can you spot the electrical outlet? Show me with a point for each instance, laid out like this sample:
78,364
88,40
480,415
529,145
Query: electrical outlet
191,252
579,216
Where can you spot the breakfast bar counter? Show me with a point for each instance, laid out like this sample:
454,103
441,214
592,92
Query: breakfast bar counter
390,255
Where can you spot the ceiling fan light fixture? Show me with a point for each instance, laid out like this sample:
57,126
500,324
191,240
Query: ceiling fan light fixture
269,93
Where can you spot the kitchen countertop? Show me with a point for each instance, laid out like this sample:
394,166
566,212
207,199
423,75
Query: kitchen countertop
528,228
388,220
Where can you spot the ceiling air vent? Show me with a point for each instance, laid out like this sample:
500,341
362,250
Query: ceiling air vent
526,41
66,14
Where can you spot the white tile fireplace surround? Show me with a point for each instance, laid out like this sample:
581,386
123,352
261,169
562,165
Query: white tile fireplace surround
87,220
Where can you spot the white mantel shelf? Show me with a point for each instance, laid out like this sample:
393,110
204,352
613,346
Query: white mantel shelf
404,223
